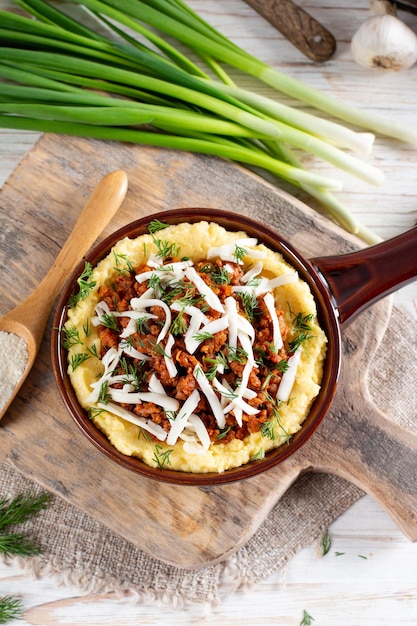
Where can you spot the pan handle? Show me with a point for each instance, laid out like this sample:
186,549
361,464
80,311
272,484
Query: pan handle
358,279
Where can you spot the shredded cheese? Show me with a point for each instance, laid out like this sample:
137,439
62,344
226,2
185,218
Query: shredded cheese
186,425
227,252
208,294
212,399
179,423
143,303
270,305
288,378
147,425
170,365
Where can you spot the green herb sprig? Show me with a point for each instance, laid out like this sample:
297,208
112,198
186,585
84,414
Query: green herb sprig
161,456
307,619
85,285
326,543
14,512
302,328
239,253
156,225
77,359
10,608
75,72
71,337
166,249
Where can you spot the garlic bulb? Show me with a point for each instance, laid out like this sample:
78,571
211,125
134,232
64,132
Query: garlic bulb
383,41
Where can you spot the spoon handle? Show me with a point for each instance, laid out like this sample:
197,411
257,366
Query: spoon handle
298,26
103,204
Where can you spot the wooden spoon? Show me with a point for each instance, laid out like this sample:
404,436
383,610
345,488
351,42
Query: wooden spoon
28,319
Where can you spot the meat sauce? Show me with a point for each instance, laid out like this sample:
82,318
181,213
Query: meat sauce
213,354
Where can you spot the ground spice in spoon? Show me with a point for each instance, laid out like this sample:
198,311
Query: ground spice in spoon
13,360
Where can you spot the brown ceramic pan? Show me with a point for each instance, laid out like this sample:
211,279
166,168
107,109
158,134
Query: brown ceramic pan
343,286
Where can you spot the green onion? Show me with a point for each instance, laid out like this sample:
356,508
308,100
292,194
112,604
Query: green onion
60,75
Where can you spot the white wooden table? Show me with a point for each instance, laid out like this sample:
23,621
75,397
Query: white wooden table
347,590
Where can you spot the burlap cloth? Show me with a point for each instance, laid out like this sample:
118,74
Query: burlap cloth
78,550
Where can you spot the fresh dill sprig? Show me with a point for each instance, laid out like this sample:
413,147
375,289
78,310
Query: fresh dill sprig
253,282
171,415
223,433
118,258
104,395
93,350
326,543
134,374
219,275
166,249
17,511
249,304
161,456
179,325
94,412
282,366
239,253
143,433
10,608
298,341
17,544
155,282
190,298
307,619
77,359
142,326
215,363
236,354
156,225
259,455
203,336
87,327
302,327
153,345
302,321
71,337
109,321
85,285
228,393
267,429
21,508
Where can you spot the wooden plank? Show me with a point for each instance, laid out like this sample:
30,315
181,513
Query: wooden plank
39,205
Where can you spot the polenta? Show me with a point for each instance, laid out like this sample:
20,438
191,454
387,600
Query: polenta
194,348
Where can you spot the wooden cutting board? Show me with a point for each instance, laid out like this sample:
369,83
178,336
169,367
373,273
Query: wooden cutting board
184,526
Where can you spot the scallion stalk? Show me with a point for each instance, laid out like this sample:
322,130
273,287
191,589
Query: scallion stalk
238,58
64,77
234,153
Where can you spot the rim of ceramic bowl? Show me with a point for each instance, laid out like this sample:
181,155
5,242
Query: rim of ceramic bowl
327,316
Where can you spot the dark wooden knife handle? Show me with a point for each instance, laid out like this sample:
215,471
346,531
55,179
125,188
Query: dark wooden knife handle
300,28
